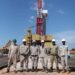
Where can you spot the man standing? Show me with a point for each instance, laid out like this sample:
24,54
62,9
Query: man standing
24,51
48,49
54,55
12,55
64,54
34,55
43,55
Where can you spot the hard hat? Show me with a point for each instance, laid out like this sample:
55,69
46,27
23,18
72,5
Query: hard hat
34,41
63,40
53,40
14,40
24,40
42,40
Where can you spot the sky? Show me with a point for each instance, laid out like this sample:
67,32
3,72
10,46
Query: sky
17,15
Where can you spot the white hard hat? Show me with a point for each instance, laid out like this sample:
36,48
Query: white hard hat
42,40
53,40
34,41
24,40
63,40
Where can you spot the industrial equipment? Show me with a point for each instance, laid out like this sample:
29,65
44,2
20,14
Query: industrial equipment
40,27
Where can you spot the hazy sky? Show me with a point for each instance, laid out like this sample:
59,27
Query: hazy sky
17,15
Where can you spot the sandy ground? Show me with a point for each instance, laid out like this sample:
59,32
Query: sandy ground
3,71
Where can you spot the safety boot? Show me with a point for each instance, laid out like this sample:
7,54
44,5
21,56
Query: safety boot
43,69
68,71
51,69
32,69
36,69
46,69
63,71
15,71
7,71
57,69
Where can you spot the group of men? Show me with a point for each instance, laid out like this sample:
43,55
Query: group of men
34,52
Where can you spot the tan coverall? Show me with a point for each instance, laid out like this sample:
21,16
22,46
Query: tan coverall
54,56
42,56
63,53
12,56
24,55
34,56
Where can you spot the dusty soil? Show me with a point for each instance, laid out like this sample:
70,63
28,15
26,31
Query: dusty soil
3,72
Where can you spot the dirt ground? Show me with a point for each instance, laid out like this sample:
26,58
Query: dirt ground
3,72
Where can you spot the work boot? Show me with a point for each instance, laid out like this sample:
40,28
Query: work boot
32,69
21,67
27,70
46,69
57,69
36,69
63,71
7,71
21,70
51,69
15,71
68,71
43,69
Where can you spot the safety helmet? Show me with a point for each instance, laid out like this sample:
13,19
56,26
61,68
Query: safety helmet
53,40
63,40
34,41
42,40
14,40
24,40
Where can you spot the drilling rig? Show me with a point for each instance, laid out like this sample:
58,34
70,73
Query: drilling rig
41,18
40,27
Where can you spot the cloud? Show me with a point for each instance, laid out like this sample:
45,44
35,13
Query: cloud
68,35
60,11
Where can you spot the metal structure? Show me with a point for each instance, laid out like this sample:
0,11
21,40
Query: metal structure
40,27
41,18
